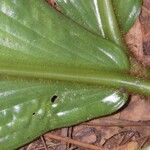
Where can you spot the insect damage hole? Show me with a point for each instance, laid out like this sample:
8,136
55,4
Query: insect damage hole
53,98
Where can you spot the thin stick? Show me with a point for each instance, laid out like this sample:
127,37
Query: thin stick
44,144
118,122
68,140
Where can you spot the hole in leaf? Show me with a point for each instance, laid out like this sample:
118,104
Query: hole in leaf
53,98
33,114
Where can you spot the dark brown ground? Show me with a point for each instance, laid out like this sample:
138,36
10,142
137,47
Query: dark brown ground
129,129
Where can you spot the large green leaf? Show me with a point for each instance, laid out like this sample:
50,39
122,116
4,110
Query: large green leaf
32,37
27,111
38,42
34,42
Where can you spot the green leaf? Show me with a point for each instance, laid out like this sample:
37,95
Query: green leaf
27,109
127,12
38,43
32,37
95,15
34,43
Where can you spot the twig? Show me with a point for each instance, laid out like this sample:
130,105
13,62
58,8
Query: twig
68,140
44,144
70,131
64,132
118,122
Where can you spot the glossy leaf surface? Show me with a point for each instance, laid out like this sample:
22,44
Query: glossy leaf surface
32,37
127,11
29,108
34,42
94,15
97,16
